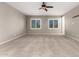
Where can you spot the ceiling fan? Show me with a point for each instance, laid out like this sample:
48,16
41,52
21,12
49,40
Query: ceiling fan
75,16
44,6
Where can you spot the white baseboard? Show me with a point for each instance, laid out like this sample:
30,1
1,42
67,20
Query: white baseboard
13,38
46,33
22,34
72,37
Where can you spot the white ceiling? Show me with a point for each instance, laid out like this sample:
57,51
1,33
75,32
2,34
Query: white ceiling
32,8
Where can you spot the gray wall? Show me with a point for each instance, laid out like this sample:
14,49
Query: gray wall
44,29
72,24
12,22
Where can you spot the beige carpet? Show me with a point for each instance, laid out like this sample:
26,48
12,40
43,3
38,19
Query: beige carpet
40,46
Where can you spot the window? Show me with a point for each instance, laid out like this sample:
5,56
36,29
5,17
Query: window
52,23
35,23
55,23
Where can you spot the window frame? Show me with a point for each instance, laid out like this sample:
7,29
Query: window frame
31,23
53,23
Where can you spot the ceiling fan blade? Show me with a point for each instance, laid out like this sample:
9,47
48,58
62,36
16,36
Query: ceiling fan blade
75,16
46,10
49,6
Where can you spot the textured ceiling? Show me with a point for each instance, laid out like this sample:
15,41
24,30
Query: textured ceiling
32,8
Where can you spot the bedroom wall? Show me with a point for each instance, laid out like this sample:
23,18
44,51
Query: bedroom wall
72,24
12,22
44,29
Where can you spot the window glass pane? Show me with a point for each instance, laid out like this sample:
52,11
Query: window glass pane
50,23
33,23
55,23
38,24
